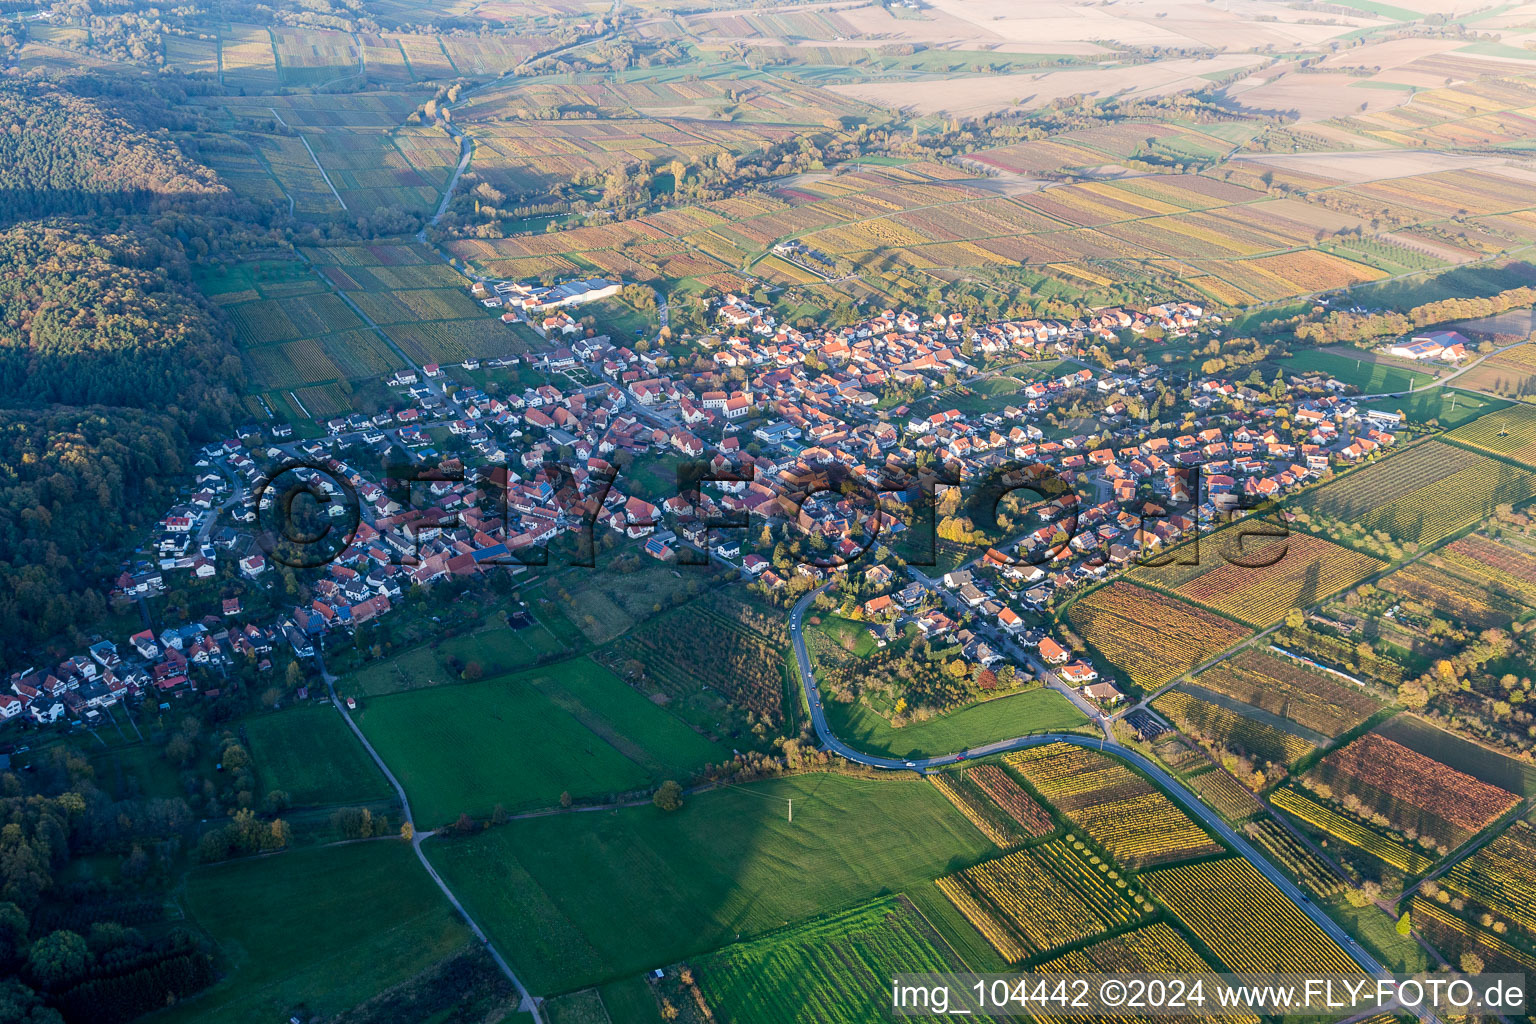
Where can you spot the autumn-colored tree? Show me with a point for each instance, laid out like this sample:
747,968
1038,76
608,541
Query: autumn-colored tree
668,796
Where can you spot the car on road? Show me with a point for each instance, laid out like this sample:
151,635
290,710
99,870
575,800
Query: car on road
960,756
911,764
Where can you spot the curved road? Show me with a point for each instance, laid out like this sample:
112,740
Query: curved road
1175,789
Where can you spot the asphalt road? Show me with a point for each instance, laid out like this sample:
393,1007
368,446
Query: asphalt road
1188,800
1440,382
466,151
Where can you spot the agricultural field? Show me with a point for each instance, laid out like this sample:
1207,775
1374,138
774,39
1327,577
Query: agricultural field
494,54
1475,759
1510,433
1426,585
419,302
1241,917
1256,577
370,170
1033,901
310,754
1311,641
341,156
684,95
329,897
631,999
466,748
425,56
583,1007
378,111
192,55
1229,730
903,228
313,57
1002,790
137,769
1149,637
598,607
1118,809
246,57
1453,935
737,658
1403,474
1151,949
995,804
276,278
1227,796
1308,696
837,970
1316,875
293,331
1421,495
1501,571
1497,880
1412,792
495,650
1351,831
580,898
527,157
1508,374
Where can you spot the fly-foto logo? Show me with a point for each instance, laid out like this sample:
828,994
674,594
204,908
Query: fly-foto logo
308,514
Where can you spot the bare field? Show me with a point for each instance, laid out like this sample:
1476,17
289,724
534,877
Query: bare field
1314,97
1516,321
973,96
1390,54
1161,23
1375,165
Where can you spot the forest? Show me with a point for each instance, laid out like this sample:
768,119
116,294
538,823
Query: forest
62,154
109,319
111,362
113,368
74,483
90,958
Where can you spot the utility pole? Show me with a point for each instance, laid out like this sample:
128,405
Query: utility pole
791,812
